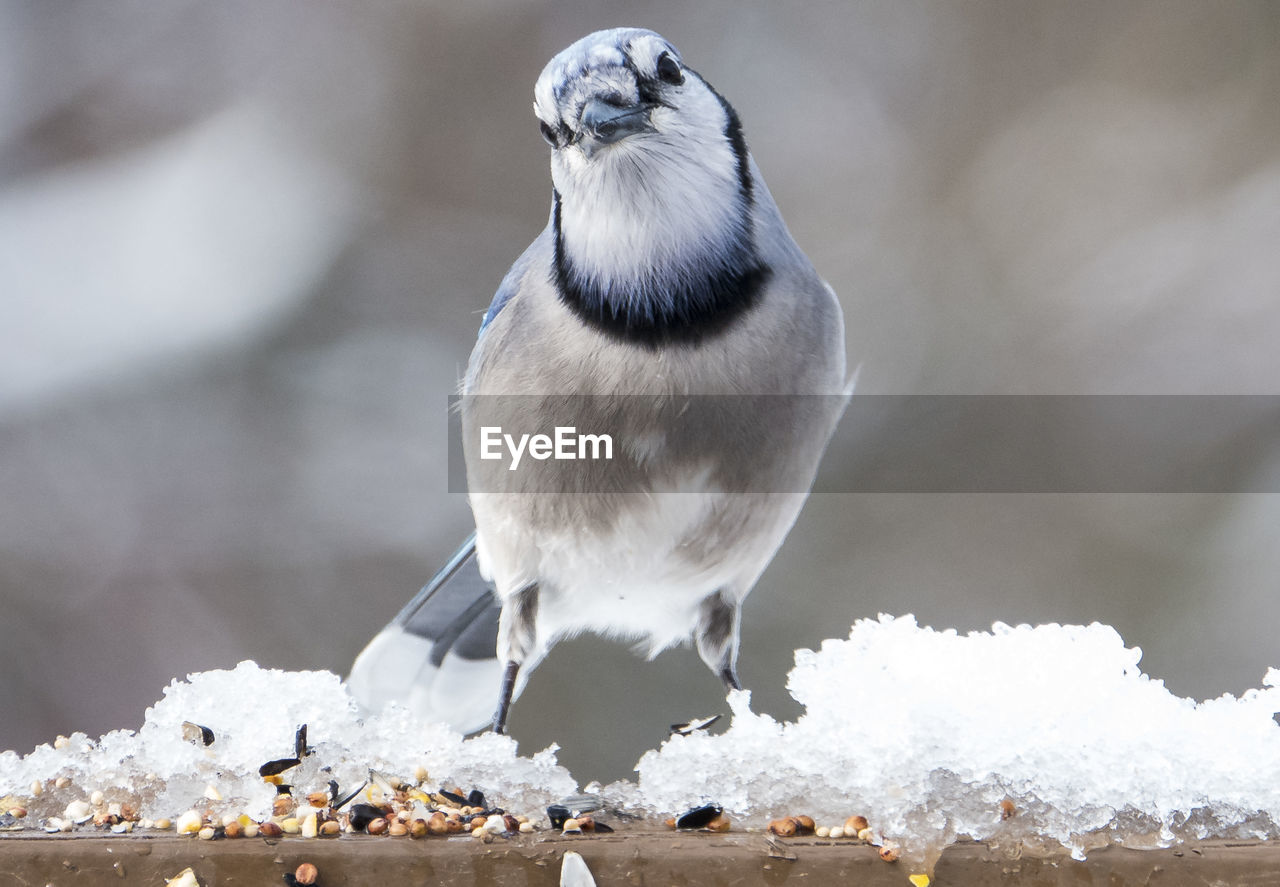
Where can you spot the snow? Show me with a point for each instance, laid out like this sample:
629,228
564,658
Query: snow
927,732
254,714
931,735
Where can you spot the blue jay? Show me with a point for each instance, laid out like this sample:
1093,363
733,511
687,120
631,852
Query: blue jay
665,271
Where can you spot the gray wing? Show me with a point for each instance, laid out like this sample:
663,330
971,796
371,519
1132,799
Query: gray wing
438,656
515,274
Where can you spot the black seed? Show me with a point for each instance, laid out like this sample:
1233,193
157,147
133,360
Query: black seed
476,798
601,827
456,799
557,813
693,726
276,767
196,733
339,803
333,792
698,817
283,789
290,880
300,747
363,814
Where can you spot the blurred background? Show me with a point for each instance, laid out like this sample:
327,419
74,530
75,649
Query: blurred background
245,246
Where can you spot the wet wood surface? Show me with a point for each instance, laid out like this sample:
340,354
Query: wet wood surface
741,859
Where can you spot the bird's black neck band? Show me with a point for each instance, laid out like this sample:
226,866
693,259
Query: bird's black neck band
676,305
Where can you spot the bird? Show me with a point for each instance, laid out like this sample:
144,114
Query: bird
665,301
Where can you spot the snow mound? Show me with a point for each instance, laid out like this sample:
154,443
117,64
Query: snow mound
254,714
1031,737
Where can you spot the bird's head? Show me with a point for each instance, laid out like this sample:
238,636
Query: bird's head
653,182
621,105
613,85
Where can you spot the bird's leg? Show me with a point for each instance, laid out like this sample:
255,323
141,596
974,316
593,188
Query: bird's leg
517,634
729,677
716,635
504,697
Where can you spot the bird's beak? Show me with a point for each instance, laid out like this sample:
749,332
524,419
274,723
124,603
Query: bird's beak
604,124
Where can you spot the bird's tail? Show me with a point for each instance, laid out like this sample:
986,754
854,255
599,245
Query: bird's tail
438,657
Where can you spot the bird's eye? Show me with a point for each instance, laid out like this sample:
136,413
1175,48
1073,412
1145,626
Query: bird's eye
549,134
669,70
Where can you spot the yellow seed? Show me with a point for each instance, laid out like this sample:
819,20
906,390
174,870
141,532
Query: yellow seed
919,880
207,833
62,782
163,823
822,831
866,835
526,827
836,832
250,830
184,878
189,823
37,788
61,741
310,826
291,826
